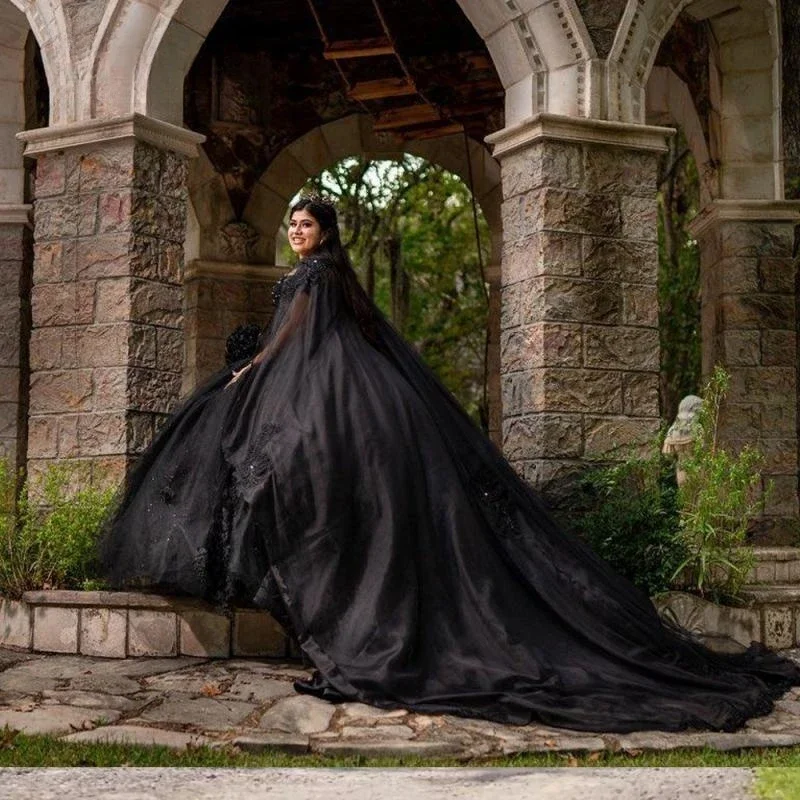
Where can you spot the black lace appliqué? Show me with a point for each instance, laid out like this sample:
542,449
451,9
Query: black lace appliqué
257,462
496,501
309,271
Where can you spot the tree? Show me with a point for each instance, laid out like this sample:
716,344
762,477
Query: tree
408,226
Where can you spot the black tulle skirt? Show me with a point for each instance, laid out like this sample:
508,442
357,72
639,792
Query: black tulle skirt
339,485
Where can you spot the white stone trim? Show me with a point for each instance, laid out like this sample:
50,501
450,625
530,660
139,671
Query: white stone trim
15,214
223,270
576,129
744,211
132,126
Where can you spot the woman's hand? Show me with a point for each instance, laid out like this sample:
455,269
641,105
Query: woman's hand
238,374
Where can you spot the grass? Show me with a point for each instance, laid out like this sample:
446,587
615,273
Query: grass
778,784
17,750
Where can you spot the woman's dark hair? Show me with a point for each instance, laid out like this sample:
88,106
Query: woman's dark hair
324,212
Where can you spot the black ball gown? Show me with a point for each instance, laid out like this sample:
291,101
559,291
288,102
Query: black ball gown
338,484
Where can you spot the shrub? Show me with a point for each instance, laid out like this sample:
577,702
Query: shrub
632,521
719,498
50,542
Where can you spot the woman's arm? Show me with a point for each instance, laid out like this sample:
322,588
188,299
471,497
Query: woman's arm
294,318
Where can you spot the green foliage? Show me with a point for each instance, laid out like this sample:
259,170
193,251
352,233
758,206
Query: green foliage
48,535
718,499
409,228
633,519
678,276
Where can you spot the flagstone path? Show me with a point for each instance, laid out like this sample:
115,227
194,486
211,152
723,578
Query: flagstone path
252,704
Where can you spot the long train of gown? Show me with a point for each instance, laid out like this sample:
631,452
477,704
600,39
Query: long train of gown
340,485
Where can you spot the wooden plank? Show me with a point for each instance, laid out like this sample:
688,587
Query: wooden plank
447,128
405,116
358,48
382,87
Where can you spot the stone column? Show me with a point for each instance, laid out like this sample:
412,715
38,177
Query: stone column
495,410
15,243
749,327
107,340
580,345
218,297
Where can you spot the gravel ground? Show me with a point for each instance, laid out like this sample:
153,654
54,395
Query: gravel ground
356,784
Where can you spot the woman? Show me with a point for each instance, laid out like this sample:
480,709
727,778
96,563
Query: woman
334,481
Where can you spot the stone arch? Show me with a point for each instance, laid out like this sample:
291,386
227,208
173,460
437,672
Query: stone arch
327,144
745,78
144,50
669,102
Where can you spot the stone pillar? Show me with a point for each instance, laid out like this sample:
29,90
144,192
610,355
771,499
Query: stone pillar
492,274
580,345
15,243
749,327
218,298
107,341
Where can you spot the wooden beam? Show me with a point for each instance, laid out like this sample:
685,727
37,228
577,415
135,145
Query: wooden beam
447,128
358,48
382,87
405,116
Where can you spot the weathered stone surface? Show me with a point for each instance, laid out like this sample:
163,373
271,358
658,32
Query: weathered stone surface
579,390
377,733
135,735
255,633
15,624
61,391
69,697
204,634
103,632
257,689
607,435
547,163
365,712
152,633
301,714
203,713
779,631
618,347
55,630
541,253
55,720
541,344
700,616
543,436
640,394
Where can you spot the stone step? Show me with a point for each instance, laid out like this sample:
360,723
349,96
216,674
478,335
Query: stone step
775,565
771,594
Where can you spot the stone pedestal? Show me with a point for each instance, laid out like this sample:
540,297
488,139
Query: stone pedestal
107,340
15,258
749,327
579,343
219,297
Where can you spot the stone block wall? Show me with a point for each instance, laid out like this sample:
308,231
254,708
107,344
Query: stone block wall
14,327
107,342
218,298
579,342
749,327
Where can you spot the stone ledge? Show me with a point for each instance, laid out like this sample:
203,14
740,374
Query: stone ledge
133,624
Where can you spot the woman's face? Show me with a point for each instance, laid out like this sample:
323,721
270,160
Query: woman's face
305,233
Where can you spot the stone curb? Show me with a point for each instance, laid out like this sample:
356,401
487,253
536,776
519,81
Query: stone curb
134,624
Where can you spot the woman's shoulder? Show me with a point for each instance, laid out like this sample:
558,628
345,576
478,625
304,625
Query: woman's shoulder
314,267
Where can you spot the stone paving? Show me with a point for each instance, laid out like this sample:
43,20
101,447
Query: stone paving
251,704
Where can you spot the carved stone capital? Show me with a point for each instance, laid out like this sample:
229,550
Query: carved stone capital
578,129
744,211
94,131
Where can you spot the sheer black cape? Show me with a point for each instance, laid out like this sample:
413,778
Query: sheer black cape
338,484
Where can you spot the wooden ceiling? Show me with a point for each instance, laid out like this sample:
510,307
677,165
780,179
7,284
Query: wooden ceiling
272,70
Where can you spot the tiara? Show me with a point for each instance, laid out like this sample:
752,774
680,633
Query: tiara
321,199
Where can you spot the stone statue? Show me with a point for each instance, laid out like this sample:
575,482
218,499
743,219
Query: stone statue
681,433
